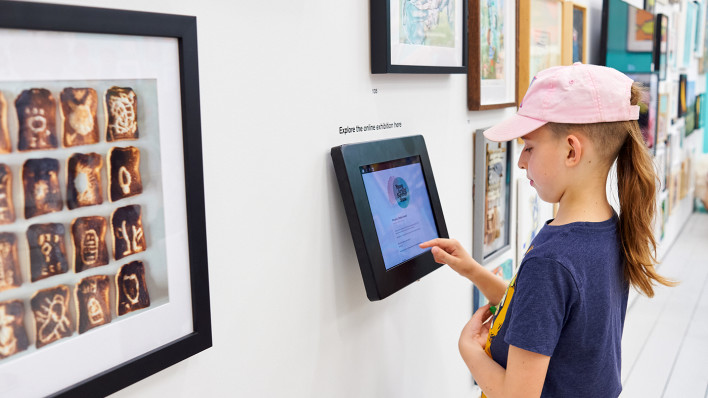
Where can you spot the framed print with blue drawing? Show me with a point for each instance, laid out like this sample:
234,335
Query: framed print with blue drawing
103,272
492,198
493,43
418,36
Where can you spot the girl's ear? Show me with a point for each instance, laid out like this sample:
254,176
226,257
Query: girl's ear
575,150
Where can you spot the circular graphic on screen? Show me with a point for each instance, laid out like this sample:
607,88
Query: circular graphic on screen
398,192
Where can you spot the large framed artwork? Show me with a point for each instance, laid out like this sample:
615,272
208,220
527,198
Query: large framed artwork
492,198
627,37
103,268
493,43
418,36
661,32
648,107
540,39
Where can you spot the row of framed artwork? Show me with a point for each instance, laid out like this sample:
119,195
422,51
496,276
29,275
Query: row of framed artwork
495,186
501,45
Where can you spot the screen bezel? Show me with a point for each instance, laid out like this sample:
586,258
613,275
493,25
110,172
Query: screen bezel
348,159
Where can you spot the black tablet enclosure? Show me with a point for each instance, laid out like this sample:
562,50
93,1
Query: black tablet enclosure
392,205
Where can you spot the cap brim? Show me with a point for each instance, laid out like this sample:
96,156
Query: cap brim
513,127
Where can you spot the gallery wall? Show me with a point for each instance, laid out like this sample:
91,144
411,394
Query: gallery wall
290,316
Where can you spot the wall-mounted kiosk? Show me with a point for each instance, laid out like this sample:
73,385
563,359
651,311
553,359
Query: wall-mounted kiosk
392,205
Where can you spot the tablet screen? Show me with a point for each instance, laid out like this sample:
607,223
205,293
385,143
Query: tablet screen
403,217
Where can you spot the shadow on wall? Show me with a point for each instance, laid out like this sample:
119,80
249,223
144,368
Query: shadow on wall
349,293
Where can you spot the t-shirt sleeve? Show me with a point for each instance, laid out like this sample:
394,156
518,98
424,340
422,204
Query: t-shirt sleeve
545,293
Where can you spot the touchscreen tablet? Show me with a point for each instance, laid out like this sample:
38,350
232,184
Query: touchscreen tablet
392,205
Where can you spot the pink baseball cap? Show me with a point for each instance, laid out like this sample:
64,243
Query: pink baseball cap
578,94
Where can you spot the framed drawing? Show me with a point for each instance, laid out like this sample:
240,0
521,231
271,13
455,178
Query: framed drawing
689,33
640,30
103,277
492,198
493,43
579,33
540,39
682,96
418,36
700,29
662,120
648,107
661,32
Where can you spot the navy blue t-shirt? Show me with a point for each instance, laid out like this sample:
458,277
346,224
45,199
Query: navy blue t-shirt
568,301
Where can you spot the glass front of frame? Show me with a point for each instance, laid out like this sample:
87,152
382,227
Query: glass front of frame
427,32
648,107
497,197
497,51
93,168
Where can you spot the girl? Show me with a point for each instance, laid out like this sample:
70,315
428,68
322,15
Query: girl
558,328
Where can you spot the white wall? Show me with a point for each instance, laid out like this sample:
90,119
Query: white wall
290,315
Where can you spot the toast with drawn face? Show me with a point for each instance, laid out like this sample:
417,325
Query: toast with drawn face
78,106
37,117
131,289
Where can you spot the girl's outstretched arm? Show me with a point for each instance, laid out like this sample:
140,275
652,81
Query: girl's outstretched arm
451,252
525,371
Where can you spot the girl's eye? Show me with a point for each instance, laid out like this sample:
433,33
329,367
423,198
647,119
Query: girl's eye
528,149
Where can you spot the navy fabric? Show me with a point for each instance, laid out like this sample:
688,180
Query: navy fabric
569,303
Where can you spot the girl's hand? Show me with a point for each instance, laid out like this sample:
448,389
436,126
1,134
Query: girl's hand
451,252
476,331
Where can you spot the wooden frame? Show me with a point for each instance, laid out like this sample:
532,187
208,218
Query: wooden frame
128,348
413,52
527,28
570,12
487,92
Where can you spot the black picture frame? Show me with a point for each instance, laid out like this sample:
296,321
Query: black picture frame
350,164
381,42
661,44
75,19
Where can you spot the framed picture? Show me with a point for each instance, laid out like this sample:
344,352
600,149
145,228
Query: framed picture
700,29
418,36
540,39
661,32
493,43
682,95
648,107
649,5
663,118
104,272
690,124
640,30
579,33
492,198
689,33
673,40
698,105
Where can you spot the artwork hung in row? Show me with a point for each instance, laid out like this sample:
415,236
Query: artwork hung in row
492,198
663,118
493,43
93,174
418,36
